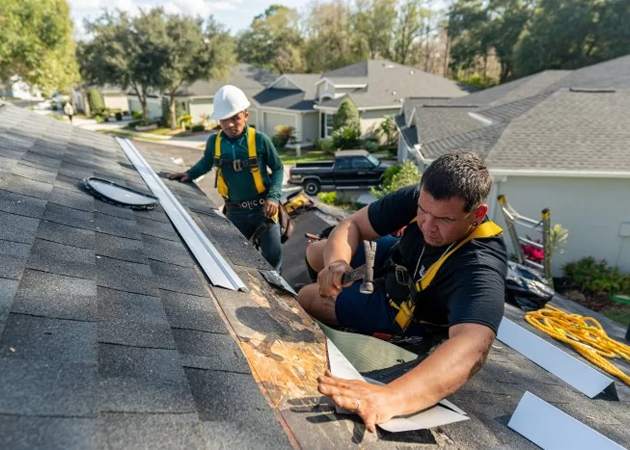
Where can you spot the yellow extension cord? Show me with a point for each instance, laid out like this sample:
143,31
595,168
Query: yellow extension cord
584,334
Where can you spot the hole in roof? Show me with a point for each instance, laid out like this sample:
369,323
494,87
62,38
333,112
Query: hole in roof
118,195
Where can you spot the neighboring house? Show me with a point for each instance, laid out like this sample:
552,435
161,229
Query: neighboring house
114,98
290,101
377,88
309,102
557,139
198,98
16,88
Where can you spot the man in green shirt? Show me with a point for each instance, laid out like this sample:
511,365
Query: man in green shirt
242,157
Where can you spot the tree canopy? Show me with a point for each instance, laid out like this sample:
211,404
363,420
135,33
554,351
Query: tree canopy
36,43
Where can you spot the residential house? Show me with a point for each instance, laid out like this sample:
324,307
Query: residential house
556,139
111,336
16,88
290,101
309,102
114,98
197,98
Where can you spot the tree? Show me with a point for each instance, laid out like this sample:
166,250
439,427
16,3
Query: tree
397,177
36,43
407,29
194,54
347,116
272,39
569,34
373,22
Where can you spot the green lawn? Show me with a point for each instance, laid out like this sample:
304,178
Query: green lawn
287,155
620,314
129,135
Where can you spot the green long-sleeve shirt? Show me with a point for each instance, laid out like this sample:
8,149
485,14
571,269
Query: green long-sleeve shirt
241,185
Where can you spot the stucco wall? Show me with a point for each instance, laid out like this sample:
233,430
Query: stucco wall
371,120
592,209
116,101
273,119
310,127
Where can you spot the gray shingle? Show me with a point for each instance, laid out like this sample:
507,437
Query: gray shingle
47,433
132,319
167,251
52,370
14,249
142,380
64,234
116,226
113,210
17,228
74,298
192,312
178,279
62,259
42,174
232,398
77,200
126,276
120,248
22,205
8,288
69,216
25,186
151,431
37,157
158,229
11,267
210,351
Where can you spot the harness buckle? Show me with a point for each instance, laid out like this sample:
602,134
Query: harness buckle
401,275
237,165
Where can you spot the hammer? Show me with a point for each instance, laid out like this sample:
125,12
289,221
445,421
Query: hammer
365,272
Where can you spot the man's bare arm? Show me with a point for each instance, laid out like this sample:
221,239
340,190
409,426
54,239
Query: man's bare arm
442,373
340,246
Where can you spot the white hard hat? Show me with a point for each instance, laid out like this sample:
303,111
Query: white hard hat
229,101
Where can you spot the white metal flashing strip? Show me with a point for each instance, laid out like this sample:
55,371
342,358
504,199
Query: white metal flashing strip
551,429
213,264
569,369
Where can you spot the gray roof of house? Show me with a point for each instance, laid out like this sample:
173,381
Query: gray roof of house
388,83
554,120
109,337
302,99
244,76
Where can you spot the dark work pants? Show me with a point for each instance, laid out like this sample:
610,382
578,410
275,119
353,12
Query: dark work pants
247,221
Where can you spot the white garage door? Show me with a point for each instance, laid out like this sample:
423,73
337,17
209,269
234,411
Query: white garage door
272,120
197,108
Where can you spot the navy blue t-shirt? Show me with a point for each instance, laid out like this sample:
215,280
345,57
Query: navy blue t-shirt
468,288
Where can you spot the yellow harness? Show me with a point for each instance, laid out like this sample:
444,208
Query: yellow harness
406,309
237,164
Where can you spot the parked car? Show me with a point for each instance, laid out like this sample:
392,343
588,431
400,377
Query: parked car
350,168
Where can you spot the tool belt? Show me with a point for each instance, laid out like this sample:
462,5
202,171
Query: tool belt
248,204
237,164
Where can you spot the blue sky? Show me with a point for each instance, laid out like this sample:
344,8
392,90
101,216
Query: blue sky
235,14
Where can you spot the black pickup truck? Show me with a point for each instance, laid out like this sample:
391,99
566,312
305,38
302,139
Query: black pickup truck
351,168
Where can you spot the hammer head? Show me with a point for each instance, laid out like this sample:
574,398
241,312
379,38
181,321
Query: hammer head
367,286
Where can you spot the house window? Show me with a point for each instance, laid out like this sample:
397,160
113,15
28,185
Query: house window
329,124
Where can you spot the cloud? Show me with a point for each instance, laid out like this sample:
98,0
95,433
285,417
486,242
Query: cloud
201,8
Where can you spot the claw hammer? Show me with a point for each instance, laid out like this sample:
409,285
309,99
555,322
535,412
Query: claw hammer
365,272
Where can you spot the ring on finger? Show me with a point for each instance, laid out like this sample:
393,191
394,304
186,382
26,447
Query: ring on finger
358,405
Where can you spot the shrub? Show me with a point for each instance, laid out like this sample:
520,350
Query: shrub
119,116
329,198
371,146
388,129
347,116
133,123
285,134
95,100
54,106
186,121
275,140
596,276
197,128
346,138
136,114
406,175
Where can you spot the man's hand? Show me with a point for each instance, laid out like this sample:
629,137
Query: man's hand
329,279
370,402
181,176
270,209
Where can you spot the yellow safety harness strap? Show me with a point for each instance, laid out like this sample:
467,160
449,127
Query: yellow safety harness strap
251,150
485,230
406,309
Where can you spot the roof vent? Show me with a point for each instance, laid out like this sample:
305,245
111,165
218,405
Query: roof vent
118,195
411,72
592,90
393,92
388,66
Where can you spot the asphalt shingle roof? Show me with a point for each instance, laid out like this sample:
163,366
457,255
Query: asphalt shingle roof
554,120
247,77
108,335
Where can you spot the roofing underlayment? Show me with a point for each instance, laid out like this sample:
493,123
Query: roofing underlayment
111,337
